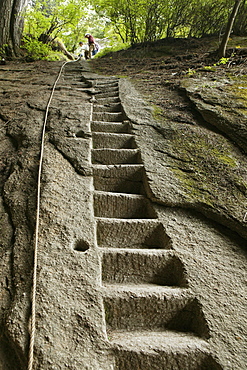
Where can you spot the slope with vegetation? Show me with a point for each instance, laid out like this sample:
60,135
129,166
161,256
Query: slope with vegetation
188,119
124,22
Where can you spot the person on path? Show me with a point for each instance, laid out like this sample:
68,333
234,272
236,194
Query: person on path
91,44
96,48
82,51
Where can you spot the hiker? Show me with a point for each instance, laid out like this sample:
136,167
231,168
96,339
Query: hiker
96,49
82,51
91,44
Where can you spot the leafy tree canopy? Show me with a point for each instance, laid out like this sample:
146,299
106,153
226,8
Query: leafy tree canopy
69,20
148,20
131,21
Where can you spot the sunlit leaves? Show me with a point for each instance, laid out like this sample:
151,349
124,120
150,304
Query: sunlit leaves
48,16
66,19
132,20
148,20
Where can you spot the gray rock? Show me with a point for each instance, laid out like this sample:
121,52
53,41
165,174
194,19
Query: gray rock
195,178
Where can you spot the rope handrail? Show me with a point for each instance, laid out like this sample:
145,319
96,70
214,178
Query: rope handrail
35,258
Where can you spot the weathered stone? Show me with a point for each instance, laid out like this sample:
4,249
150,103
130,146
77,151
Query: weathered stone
170,268
222,104
195,167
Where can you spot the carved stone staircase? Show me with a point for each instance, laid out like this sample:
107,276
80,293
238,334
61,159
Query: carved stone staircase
153,320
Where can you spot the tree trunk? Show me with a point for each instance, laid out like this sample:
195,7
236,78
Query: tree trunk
222,47
11,25
240,24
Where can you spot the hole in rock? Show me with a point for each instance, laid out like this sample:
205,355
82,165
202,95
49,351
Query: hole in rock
82,134
81,246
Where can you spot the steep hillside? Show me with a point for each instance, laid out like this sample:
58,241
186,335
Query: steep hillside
200,105
142,227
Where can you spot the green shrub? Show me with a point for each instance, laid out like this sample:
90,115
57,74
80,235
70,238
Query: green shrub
35,49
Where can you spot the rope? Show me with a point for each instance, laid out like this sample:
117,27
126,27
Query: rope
35,258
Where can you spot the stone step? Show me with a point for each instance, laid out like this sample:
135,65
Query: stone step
107,94
142,266
107,107
113,127
134,234
75,82
72,69
116,156
108,117
119,205
113,141
109,100
119,178
148,307
99,89
74,77
73,72
108,79
107,84
160,350
77,87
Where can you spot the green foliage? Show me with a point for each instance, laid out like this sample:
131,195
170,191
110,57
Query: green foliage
35,21
110,49
90,22
52,17
157,113
208,68
191,72
179,15
69,20
126,21
223,61
36,50
3,49
141,20
112,42
209,17
134,20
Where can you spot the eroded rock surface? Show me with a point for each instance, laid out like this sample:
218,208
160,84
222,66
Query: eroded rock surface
69,312
195,164
195,177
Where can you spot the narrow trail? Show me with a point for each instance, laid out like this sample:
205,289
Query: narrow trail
152,319
127,277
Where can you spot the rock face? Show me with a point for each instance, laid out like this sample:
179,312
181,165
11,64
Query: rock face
141,253
198,166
